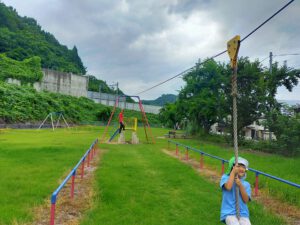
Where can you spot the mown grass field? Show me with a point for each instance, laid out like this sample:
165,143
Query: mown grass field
135,184
32,164
142,185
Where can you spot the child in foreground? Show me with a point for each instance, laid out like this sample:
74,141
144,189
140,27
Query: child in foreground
228,183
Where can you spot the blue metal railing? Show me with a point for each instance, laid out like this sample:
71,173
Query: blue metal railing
71,174
257,172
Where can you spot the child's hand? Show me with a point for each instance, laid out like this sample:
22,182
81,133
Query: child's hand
238,181
235,170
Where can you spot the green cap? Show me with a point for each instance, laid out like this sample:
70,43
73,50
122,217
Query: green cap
240,161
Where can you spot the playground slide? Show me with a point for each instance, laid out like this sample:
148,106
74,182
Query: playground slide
113,136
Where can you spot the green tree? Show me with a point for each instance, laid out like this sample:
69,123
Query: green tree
280,76
250,93
202,99
168,115
286,128
27,71
206,98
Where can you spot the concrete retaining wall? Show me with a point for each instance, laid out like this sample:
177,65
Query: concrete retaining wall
64,83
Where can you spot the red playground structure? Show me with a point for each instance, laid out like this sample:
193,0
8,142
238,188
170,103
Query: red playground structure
147,127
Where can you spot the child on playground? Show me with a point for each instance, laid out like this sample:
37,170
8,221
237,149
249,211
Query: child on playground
121,121
235,177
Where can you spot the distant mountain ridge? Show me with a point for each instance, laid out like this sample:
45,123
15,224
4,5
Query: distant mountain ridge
162,100
290,102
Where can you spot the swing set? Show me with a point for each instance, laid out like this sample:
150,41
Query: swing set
55,118
131,123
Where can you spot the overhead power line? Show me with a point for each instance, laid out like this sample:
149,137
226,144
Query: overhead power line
221,53
264,59
287,54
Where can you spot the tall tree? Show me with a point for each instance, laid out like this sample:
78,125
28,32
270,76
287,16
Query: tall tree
250,92
204,95
280,76
168,115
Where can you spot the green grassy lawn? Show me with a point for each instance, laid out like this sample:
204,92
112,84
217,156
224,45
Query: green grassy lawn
139,184
33,163
136,184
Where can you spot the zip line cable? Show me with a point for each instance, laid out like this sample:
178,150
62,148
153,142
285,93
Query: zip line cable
182,73
221,53
282,8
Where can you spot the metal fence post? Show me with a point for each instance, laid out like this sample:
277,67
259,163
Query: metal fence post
82,168
73,184
52,211
201,161
95,148
222,167
256,183
88,159
92,152
187,154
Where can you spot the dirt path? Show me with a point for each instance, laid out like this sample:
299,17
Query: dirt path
69,212
289,213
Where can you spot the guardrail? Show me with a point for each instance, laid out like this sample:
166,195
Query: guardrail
89,155
257,172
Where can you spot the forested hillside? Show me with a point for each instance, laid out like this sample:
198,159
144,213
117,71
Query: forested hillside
22,38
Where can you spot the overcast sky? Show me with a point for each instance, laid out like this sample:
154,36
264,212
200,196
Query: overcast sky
141,43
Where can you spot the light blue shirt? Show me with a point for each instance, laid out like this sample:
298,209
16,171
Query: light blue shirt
228,199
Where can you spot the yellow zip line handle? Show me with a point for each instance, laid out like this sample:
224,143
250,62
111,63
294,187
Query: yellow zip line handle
233,46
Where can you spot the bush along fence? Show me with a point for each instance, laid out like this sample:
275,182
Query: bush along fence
201,163
85,160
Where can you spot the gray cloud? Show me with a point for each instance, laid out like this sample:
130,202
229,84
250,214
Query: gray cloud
140,43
